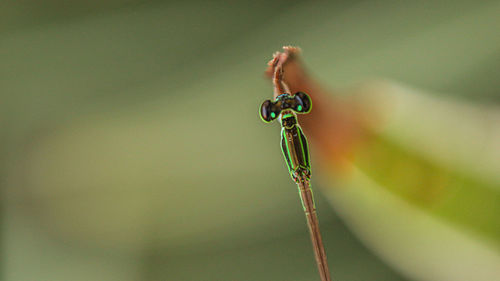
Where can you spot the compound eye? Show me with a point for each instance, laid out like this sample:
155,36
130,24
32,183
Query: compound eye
303,102
268,111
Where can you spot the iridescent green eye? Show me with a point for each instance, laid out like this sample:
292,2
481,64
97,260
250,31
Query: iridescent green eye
269,111
303,102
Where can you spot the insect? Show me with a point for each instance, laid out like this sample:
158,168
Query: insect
293,141
296,152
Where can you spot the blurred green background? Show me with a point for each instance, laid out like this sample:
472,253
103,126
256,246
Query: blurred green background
131,148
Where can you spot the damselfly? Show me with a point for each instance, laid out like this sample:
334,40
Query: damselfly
296,152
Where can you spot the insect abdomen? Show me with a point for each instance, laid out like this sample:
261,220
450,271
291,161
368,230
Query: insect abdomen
295,150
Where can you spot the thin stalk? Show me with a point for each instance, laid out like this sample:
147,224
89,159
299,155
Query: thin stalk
307,198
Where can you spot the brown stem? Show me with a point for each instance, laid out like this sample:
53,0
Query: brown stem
279,85
313,224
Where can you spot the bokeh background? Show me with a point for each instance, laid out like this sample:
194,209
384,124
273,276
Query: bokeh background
131,148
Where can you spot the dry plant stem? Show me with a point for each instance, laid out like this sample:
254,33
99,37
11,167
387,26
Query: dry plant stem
313,224
279,86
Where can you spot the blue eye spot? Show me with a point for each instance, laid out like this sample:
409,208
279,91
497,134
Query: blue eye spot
273,115
299,108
